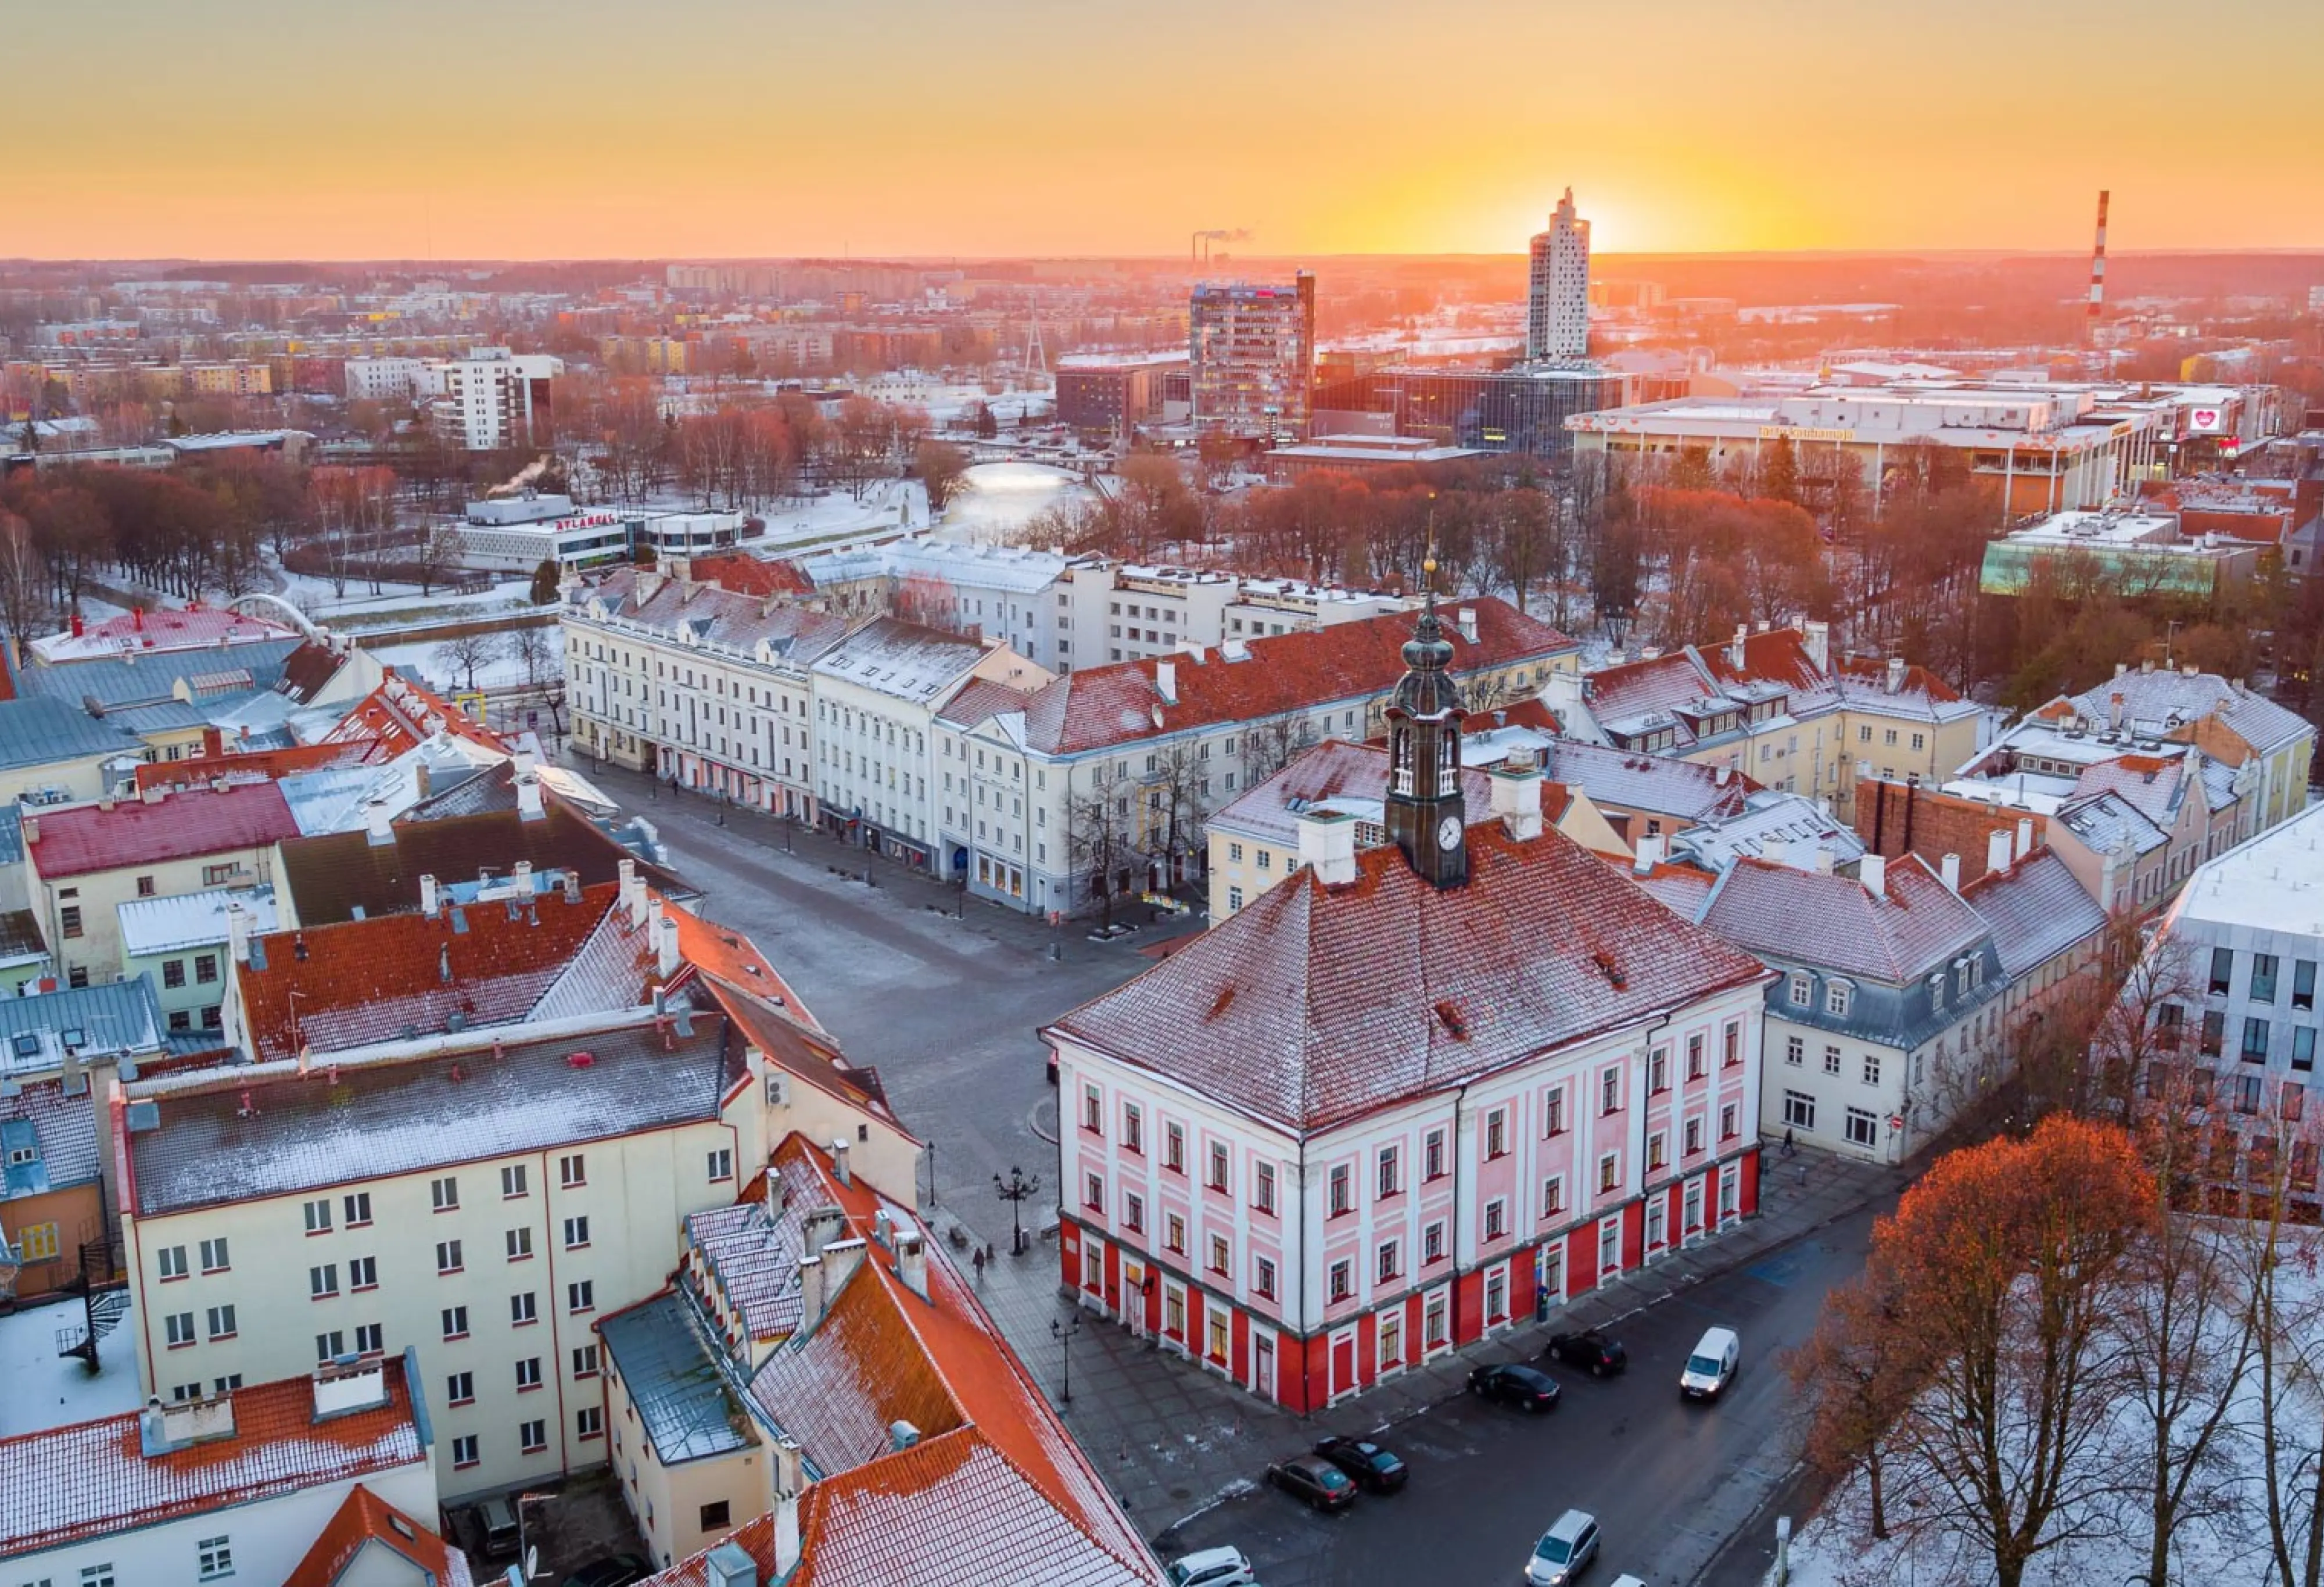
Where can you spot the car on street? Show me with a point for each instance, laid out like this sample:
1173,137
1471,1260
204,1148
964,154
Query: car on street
1526,1388
1210,1567
1710,1365
1590,1349
1375,1469
1315,1479
1564,1551
615,1571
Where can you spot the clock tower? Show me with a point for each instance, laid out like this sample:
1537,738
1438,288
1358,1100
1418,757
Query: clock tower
1426,816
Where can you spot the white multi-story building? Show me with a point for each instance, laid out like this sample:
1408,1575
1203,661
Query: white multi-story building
877,696
1409,1098
391,379
494,399
242,1485
1557,293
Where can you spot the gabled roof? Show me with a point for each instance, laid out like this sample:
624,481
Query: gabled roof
307,670
69,1485
2156,786
366,1521
2106,822
263,765
1832,922
166,629
2035,910
37,731
1122,702
1316,1005
1863,683
240,1133
1334,774
2157,703
718,619
1661,785
61,1128
681,1397
907,660
744,574
788,1037
983,698
113,1017
86,838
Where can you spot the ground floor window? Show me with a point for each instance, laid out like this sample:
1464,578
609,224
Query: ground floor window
1863,1128
1391,1339
1432,1318
1497,1296
1799,1110
1218,1335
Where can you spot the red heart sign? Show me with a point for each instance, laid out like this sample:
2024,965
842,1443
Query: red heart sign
2205,418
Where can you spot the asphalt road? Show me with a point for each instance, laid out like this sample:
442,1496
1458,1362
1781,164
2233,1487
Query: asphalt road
1670,1481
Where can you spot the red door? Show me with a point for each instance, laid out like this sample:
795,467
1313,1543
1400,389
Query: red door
1344,1365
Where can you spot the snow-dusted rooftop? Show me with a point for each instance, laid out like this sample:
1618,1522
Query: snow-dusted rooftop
2273,882
168,926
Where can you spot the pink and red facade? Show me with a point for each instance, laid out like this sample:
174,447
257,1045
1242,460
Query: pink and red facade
1308,1266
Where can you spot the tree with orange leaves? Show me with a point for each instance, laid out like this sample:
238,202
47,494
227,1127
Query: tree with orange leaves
1976,1366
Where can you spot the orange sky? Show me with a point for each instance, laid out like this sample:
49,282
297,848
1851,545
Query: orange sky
530,128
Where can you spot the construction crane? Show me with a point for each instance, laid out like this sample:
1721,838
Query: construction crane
1198,250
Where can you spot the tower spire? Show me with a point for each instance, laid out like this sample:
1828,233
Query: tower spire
1425,814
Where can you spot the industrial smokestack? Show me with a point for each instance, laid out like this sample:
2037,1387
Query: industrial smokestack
2098,275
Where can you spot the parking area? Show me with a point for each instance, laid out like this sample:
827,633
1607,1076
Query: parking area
573,1524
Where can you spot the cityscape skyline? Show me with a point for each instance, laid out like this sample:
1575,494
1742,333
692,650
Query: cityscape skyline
990,134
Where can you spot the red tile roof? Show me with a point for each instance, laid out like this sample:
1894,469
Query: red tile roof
169,826
1316,1006
403,713
366,1518
1122,703
744,574
334,987
66,1485
1831,921
263,765
995,1491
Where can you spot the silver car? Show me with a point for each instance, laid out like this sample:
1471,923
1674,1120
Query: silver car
1564,1551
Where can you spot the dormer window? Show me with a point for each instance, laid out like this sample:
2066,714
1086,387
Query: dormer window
1803,989
1837,995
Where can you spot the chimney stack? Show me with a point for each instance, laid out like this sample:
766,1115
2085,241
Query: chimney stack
522,877
1327,844
1649,855
430,897
1516,795
665,935
633,891
2024,835
839,1169
1872,871
912,1261
2115,705
238,931
811,1292
790,1481
1165,680
377,825
1815,635
1466,621
1996,851
1896,674
1735,650
1949,869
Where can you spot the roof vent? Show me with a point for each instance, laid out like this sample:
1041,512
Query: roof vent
902,1435
579,1060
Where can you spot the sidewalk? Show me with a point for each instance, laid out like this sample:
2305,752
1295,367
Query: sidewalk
1171,1437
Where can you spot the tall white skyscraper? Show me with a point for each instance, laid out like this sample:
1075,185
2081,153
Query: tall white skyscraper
1557,301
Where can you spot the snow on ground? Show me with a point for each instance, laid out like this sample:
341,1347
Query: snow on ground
502,672
1834,1548
43,1389
361,609
994,499
889,506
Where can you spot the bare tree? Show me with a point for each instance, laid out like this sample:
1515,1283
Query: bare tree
532,650
1175,798
440,550
1101,837
939,467
464,653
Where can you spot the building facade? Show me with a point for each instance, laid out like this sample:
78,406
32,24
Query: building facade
1557,289
1253,357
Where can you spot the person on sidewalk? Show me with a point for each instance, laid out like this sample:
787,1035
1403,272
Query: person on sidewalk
979,1260
1789,1149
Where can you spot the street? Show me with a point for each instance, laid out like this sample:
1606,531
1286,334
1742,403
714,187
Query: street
1669,1481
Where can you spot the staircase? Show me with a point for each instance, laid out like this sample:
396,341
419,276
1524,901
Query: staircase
103,1301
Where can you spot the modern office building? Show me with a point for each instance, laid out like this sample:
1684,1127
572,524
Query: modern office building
495,398
1253,351
1520,409
1557,293
1106,394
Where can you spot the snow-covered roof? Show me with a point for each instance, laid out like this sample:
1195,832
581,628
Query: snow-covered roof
168,926
903,660
2271,882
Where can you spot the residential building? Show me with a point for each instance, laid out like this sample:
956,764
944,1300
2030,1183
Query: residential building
1254,839
1099,782
697,684
74,1042
1253,353
494,399
2050,936
1109,396
818,1393
170,631
1773,704
2232,976
1411,1096
1557,289
232,1483
180,945
83,861
389,379
877,696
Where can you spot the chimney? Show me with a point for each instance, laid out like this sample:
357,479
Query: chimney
1896,674
1649,854
633,891
1516,795
790,1481
1996,851
1775,850
1467,623
213,742
429,896
1949,869
151,795
378,824
31,830
528,806
1824,860
73,1081
1815,634
1327,842
820,1227
78,628
522,877
840,1259
2120,668
2146,664
237,932
912,1261
2115,710
1165,680
666,947
812,1297
1735,650
1872,871
2024,835
839,1169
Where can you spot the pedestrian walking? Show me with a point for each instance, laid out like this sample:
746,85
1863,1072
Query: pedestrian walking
1788,1147
979,1260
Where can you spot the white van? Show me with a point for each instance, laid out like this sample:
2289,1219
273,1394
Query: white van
1711,1366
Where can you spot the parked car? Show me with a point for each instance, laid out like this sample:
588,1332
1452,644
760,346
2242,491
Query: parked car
1317,1480
1590,1349
1373,1468
616,1571
496,1520
1523,1387
1710,1366
1564,1551
1210,1567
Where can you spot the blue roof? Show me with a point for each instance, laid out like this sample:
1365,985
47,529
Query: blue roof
119,1017
680,1395
12,835
118,681
40,731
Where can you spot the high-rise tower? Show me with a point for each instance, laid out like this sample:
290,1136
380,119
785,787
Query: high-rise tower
1557,300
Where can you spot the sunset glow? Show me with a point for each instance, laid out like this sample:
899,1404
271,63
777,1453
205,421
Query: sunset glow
714,127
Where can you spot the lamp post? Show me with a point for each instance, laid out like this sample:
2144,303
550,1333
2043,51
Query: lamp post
1063,1333
1015,1190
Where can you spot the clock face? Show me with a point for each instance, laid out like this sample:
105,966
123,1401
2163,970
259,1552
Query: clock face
1448,832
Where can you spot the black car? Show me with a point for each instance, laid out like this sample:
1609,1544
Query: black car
617,1571
1590,1349
1522,1387
1371,1466
1321,1483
